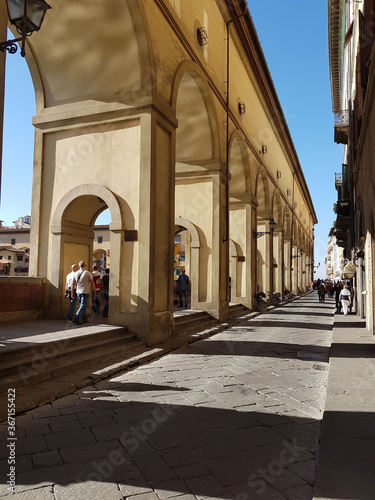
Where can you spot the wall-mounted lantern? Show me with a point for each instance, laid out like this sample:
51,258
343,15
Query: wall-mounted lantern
202,36
27,16
272,226
241,108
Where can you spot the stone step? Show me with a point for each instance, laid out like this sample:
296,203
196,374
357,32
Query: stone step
46,361
195,322
238,310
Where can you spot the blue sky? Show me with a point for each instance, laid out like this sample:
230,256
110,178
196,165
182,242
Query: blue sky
294,38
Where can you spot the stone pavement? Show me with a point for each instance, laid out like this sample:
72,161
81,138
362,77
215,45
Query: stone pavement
237,415
346,468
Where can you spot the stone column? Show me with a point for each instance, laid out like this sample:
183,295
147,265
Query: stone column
253,262
294,283
220,250
156,230
287,282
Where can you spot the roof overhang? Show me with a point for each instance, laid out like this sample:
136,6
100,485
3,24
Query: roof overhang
335,13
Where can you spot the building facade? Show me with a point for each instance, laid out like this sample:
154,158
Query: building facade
351,51
170,120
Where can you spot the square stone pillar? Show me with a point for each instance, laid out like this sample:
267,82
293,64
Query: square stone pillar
156,230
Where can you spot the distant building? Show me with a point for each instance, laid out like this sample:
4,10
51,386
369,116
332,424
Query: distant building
22,222
334,258
13,261
15,247
352,70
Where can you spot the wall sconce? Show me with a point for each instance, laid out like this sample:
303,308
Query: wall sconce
272,226
263,151
288,192
278,174
312,264
202,36
300,254
241,108
27,16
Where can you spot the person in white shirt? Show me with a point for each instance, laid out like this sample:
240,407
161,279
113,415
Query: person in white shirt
69,286
82,283
345,299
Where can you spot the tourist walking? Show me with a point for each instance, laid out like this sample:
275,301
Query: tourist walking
322,292
82,283
183,284
68,292
345,299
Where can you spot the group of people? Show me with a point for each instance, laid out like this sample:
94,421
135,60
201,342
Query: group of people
79,283
343,292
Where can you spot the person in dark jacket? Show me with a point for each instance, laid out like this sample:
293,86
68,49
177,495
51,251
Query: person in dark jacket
183,284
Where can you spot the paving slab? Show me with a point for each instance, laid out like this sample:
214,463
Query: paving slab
236,415
346,466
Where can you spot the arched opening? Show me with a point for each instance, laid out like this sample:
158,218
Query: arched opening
264,243
194,184
102,244
287,226
240,221
73,235
277,245
187,259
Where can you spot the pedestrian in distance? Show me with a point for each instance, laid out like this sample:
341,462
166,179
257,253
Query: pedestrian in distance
68,292
345,299
183,284
322,292
96,300
105,283
82,283
338,288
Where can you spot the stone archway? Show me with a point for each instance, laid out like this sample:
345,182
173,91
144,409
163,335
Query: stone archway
72,229
194,261
198,186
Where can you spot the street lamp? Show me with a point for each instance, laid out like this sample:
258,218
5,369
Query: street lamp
27,16
296,256
272,225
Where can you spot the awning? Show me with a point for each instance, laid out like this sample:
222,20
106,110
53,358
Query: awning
349,270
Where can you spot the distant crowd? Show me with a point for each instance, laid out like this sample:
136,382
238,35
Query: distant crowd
343,291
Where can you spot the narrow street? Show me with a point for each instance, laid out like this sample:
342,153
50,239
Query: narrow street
237,415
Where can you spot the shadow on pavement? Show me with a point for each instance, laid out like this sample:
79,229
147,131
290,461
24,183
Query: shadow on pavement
167,447
259,322
257,348
347,456
350,324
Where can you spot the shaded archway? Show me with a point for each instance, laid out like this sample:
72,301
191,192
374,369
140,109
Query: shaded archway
197,183
72,229
192,256
240,226
264,243
277,245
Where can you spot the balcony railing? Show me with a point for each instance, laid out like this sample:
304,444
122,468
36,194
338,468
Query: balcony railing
342,126
342,117
338,180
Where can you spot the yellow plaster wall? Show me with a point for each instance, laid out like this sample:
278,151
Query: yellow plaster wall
194,200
